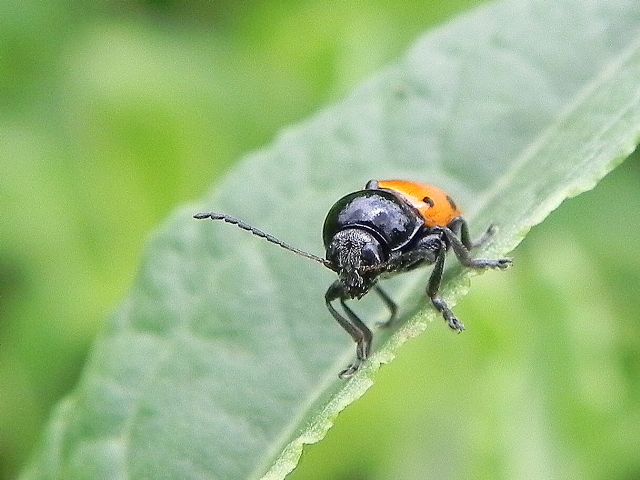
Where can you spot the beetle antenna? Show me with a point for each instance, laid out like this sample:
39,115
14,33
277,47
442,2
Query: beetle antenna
261,234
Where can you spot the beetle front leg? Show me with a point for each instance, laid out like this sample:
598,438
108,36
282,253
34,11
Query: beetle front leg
429,249
353,325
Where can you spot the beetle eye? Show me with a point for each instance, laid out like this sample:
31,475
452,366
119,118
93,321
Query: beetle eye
371,254
332,253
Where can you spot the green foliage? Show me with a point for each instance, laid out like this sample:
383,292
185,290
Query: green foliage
110,114
222,361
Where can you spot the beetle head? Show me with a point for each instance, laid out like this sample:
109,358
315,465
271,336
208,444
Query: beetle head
350,252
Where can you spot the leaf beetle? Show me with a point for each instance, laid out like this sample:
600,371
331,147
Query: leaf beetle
389,227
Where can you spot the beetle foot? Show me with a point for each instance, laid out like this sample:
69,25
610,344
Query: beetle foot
350,370
454,323
386,324
485,263
503,263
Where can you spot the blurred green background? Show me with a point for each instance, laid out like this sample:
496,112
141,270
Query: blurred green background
112,113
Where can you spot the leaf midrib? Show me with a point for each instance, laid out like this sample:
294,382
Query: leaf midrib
609,70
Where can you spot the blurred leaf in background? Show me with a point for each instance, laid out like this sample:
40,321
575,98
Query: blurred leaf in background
110,114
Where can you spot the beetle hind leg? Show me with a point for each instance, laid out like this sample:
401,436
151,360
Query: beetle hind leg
485,237
460,227
465,258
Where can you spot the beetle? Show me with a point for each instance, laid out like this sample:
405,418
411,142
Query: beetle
389,227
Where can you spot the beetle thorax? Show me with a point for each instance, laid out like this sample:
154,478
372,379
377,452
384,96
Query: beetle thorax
350,251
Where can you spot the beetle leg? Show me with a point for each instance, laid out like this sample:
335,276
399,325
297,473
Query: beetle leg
485,237
424,253
353,325
371,185
391,305
430,249
433,288
465,258
461,228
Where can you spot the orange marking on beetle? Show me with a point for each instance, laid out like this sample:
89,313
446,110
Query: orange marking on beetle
434,205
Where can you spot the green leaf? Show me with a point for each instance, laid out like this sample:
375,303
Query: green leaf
223,360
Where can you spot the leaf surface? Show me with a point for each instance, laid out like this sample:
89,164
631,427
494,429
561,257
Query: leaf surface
223,360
